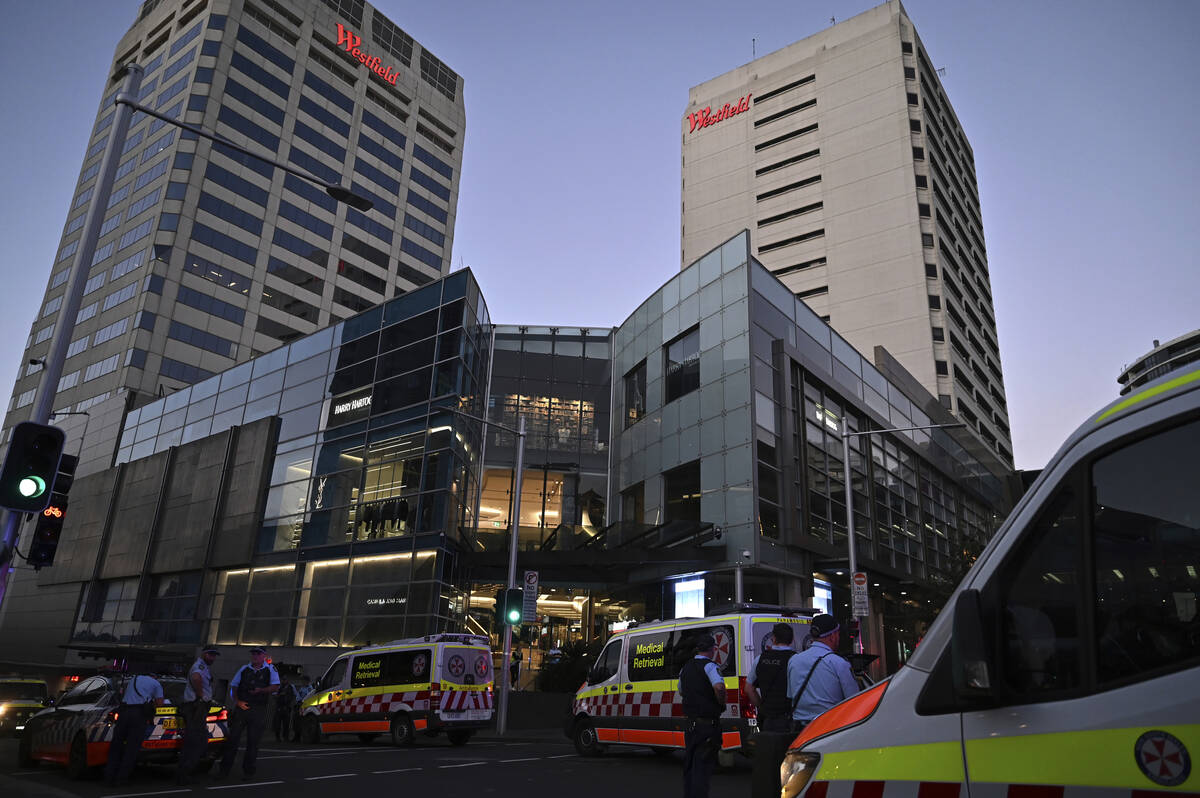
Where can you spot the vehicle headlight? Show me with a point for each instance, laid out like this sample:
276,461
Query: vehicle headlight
796,771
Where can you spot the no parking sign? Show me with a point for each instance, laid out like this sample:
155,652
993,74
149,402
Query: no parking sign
529,608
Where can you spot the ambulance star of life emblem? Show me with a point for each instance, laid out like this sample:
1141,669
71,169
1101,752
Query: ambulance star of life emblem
1163,758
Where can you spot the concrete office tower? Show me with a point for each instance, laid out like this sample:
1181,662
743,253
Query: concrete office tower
208,258
843,157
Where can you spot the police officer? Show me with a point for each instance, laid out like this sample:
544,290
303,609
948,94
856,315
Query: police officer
251,690
142,695
197,699
767,690
818,678
702,693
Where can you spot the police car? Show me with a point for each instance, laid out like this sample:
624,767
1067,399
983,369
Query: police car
77,730
20,698
1068,661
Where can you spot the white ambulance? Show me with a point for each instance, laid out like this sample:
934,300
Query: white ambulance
425,685
1067,663
630,698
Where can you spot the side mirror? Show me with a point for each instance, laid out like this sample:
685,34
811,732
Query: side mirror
974,664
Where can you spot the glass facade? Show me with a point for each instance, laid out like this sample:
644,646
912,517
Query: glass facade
375,471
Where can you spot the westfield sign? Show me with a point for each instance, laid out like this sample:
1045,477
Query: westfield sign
353,42
705,116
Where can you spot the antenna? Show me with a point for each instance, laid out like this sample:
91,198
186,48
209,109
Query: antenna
753,49
833,20
941,72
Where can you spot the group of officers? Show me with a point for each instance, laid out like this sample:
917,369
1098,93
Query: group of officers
787,687
250,693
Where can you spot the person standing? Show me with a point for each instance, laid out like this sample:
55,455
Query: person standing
702,693
250,690
767,690
142,695
818,678
285,705
303,691
197,700
514,667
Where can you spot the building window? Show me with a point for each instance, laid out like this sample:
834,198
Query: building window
910,73
941,368
906,47
923,210
935,302
939,334
914,125
635,394
912,98
918,153
922,181
682,492
927,239
683,365
633,501
931,270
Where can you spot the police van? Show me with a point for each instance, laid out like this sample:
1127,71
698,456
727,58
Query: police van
631,696
1068,660
425,685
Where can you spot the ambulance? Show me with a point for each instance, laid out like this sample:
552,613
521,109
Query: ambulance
425,685
1067,663
631,696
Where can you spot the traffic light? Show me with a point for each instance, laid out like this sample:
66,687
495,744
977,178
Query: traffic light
30,467
48,528
514,606
500,607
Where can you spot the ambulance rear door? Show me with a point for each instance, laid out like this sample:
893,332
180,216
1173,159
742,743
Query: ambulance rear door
465,674
1091,636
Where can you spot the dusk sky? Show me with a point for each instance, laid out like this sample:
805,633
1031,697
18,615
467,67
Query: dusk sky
1083,117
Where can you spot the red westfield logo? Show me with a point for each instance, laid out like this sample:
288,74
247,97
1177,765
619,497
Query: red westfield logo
705,116
353,44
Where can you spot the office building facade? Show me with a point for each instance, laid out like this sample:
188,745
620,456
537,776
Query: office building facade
1174,354
844,158
207,257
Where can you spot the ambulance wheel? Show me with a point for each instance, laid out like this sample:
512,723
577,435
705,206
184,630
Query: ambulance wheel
586,741
402,731
77,764
310,730
458,736
25,753
367,738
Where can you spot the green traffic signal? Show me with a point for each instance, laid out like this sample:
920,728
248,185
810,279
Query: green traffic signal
514,601
31,487
514,615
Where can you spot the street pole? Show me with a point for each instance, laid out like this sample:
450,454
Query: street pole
515,526
847,479
64,327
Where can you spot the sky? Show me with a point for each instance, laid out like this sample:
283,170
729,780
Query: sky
1083,117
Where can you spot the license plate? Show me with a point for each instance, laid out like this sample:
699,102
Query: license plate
170,724
467,714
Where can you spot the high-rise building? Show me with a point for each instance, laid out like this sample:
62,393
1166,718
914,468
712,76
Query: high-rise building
844,158
207,257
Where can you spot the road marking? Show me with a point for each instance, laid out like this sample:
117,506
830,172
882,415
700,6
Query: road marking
463,765
247,784
398,770
132,794
526,759
31,773
561,756
334,776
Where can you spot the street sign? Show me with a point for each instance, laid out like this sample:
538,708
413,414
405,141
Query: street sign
531,594
858,592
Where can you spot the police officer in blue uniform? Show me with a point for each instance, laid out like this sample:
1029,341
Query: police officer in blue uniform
251,691
818,678
142,695
702,693
767,690
197,700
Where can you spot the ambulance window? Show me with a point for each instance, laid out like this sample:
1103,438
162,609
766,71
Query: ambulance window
333,677
649,656
685,648
1041,604
1146,528
607,663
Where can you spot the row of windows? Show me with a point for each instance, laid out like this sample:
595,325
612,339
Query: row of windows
324,116
254,100
362,277
328,92
427,207
363,222
311,164
379,126
380,177
308,191
111,331
424,230
238,185
432,161
260,46
223,243
322,143
305,219
229,212
427,182
100,368
295,275
262,76
282,300
202,339
300,247
419,252
365,251
183,372
210,305
386,208
216,273
381,152
248,129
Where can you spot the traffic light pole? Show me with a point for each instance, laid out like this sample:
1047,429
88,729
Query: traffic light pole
515,526
64,328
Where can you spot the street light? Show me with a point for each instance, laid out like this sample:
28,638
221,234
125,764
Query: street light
52,364
846,478
515,528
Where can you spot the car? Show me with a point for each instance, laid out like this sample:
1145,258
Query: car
20,698
77,730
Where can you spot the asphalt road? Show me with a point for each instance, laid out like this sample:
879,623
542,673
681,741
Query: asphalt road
346,768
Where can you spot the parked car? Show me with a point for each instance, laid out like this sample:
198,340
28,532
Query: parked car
77,730
20,698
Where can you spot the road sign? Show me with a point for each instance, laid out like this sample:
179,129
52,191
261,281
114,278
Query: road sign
531,594
858,591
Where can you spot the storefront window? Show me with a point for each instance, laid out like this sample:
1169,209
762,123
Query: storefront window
683,365
635,394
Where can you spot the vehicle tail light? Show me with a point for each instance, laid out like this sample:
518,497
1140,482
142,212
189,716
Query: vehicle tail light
745,707
222,715
435,695
111,717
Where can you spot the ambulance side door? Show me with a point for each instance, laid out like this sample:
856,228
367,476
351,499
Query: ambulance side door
331,694
648,689
1095,631
603,691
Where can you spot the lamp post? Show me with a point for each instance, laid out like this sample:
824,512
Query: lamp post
849,496
514,528
64,327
